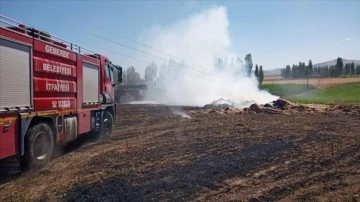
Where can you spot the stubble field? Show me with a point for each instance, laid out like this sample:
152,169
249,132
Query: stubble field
298,153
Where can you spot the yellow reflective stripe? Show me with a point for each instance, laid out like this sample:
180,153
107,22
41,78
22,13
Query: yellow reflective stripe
45,113
7,119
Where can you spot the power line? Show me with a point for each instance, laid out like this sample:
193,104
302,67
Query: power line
124,45
146,62
149,47
134,58
136,42
129,47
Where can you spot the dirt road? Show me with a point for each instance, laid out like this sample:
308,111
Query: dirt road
157,155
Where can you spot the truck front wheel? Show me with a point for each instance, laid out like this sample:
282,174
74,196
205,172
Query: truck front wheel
107,124
39,146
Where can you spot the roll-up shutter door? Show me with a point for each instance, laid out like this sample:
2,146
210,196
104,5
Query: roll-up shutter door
90,83
14,74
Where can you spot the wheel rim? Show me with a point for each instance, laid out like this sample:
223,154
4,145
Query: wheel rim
107,126
41,146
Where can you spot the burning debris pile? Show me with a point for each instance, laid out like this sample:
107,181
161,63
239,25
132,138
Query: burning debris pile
275,107
279,106
220,104
224,104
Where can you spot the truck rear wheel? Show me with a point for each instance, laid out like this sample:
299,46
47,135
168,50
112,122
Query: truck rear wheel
39,146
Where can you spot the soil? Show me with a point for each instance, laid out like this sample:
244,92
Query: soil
279,152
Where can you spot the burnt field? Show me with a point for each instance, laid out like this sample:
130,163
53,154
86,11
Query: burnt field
258,154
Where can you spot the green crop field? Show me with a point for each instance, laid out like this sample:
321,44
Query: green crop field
286,90
340,94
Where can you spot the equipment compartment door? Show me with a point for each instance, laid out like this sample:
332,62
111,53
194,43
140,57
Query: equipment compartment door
15,69
90,83
8,139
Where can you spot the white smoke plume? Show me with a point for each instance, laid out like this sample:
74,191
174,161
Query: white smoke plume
195,80
180,113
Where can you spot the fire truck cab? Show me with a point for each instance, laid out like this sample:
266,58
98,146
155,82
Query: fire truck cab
51,92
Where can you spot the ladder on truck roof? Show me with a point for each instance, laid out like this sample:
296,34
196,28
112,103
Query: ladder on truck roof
13,25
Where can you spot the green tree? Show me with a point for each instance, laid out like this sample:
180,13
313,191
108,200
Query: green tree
333,71
294,71
132,77
347,69
248,64
302,70
352,68
151,72
310,69
339,66
358,69
287,71
324,71
256,71
261,75
308,72
219,64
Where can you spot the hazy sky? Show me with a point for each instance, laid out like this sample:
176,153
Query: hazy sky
276,33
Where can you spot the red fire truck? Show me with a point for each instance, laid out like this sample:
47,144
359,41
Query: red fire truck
51,92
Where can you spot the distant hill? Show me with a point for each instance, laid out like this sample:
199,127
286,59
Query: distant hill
333,62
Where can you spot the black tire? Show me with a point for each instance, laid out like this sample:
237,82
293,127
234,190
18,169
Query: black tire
106,125
39,146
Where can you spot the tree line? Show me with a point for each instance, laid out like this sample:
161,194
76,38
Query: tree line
303,71
153,73
242,69
131,77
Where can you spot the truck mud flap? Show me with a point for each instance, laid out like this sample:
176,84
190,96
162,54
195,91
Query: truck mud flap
10,166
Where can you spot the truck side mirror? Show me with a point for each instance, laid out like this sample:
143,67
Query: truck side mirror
119,74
